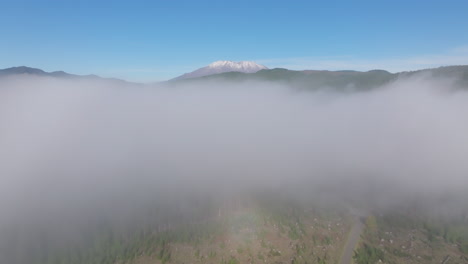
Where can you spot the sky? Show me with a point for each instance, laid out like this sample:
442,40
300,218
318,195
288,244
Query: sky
149,41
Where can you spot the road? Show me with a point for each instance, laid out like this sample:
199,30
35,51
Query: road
353,239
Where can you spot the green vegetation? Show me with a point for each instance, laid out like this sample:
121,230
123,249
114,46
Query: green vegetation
274,253
368,254
414,234
252,233
451,232
231,260
110,248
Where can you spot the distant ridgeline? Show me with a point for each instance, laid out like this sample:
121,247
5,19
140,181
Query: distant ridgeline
23,70
336,80
39,72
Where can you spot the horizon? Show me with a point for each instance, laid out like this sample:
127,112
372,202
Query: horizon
147,42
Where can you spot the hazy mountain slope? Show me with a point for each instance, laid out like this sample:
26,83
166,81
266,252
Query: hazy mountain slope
341,80
458,73
338,80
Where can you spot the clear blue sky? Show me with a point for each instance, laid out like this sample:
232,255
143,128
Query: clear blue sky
157,40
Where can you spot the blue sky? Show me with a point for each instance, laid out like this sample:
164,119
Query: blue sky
158,40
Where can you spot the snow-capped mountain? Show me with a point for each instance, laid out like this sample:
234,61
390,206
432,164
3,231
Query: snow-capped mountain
224,66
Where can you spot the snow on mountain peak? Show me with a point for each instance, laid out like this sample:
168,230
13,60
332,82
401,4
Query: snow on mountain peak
224,66
244,65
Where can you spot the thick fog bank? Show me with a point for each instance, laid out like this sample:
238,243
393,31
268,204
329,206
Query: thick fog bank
72,149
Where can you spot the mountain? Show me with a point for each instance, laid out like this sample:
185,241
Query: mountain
24,70
38,72
222,67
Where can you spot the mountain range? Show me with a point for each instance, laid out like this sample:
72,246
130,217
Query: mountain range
250,71
346,80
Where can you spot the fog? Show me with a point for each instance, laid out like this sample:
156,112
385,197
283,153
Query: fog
72,149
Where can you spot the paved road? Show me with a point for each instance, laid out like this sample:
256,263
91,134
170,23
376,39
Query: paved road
353,239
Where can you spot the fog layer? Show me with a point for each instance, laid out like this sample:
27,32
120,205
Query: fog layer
69,147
